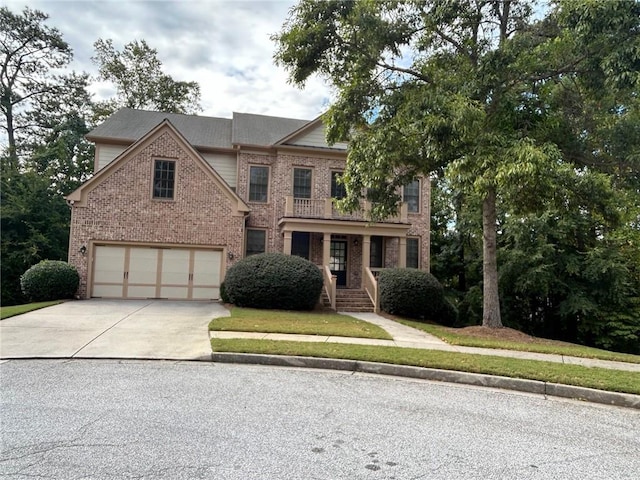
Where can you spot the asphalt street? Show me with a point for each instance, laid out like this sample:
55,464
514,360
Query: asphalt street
105,419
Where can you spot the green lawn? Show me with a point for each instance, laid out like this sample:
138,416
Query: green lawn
6,312
599,378
308,323
449,335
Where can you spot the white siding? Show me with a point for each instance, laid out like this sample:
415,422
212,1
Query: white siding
316,138
225,164
106,153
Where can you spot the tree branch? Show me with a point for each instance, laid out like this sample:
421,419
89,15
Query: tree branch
408,71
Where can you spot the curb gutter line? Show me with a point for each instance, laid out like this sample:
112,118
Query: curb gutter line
627,400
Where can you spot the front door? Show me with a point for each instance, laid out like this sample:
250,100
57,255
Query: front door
338,261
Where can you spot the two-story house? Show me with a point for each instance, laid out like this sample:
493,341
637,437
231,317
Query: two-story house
177,199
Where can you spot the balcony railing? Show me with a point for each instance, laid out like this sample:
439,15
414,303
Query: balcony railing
325,209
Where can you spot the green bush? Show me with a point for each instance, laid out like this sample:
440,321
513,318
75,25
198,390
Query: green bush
411,293
223,293
273,281
49,280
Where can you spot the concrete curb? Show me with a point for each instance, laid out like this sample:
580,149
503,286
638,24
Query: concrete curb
521,385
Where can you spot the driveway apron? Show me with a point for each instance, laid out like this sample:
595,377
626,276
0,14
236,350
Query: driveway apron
96,328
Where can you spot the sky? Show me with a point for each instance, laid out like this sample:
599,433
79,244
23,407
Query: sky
223,45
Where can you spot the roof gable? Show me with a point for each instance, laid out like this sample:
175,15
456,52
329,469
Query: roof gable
80,194
313,134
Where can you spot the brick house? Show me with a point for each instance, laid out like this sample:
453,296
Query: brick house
177,199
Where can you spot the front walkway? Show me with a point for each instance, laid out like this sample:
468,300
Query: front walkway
408,337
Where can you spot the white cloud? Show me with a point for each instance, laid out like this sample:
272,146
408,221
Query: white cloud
224,45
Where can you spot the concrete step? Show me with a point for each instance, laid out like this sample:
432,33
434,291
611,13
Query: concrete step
349,301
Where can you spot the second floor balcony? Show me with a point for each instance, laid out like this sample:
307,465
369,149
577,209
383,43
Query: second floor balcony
324,208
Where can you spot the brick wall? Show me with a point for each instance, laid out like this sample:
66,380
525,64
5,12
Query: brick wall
121,207
266,215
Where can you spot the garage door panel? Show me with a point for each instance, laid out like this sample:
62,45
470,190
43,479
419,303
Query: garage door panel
109,265
206,268
107,291
175,267
174,292
143,265
205,293
141,291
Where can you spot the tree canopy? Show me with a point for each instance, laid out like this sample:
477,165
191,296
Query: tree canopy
31,52
137,74
480,91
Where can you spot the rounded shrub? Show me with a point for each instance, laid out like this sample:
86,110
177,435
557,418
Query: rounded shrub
273,281
49,280
411,293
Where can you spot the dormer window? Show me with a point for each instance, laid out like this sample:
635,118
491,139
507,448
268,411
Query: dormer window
164,175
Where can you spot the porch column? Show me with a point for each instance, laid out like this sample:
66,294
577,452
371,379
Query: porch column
402,252
326,249
287,242
366,253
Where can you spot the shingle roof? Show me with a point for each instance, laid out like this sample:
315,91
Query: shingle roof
251,129
129,124
246,129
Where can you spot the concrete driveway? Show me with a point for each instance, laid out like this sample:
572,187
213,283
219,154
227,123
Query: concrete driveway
96,328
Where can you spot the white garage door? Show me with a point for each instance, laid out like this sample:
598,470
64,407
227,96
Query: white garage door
146,272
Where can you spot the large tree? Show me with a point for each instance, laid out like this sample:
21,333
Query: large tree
46,113
30,54
464,85
137,74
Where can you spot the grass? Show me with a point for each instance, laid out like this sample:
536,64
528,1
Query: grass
305,323
598,378
452,337
6,312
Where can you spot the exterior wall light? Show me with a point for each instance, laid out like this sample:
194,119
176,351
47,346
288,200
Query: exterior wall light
83,250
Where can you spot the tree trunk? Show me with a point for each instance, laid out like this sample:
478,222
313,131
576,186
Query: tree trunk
491,301
13,151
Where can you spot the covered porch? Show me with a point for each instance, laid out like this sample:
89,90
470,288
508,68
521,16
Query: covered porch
349,253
